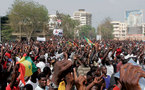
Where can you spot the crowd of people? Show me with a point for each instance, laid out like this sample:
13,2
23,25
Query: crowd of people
65,64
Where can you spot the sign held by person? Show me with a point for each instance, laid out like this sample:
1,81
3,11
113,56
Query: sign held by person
41,39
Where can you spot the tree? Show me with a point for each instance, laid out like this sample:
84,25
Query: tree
68,25
6,29
106,29
88,31
27,17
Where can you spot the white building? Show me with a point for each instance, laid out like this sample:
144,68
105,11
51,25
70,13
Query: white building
119,30
84,17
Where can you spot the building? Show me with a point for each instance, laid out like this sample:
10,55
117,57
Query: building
132,29
136,33
119,30
84,17
135,26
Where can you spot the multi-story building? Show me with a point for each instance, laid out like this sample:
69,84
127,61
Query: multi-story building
83,16
135,26
136,33
119,30
143,27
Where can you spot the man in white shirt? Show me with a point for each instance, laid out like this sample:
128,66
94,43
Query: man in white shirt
42,82
33,81
109,66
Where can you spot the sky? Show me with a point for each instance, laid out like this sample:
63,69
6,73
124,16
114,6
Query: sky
100,9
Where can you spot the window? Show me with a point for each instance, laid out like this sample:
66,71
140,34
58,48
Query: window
77,14
123,31
123,34
83,15
115,23
115,27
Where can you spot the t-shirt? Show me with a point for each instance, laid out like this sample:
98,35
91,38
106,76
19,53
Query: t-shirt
107,81
14,88
18,59
118,51
5,65
110,70
39,88
116,88
83,70
59,56
41,65
8,55
34,85
46,56
109,55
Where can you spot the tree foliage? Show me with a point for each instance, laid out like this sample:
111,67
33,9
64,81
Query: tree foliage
88,31
68,25
105,29
29,15
6,29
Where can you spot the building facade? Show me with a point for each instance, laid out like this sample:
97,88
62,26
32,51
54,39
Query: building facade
84,17
119,30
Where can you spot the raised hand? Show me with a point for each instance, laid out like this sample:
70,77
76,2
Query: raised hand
98,80
79,81
130,75
69,80
59,70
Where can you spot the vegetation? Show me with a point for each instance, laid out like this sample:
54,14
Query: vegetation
105,29
6,29
27,17
87,31
68,25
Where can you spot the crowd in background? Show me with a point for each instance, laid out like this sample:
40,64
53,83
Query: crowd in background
65,64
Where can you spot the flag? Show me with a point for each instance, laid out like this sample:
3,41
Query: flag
89,41
27,67
59,21
75,44
69,43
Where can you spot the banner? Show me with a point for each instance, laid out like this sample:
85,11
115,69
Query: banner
58,32
41,39
98,37
134,18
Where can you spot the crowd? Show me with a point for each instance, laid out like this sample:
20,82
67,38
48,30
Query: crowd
64,64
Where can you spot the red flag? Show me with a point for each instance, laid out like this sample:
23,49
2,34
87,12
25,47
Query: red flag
75,44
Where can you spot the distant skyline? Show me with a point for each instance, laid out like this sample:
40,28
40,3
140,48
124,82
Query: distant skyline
100,9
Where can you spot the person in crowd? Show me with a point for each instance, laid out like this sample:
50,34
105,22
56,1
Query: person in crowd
33,81
28,87
76,65
42,82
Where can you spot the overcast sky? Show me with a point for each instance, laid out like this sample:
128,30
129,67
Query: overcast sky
100,9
